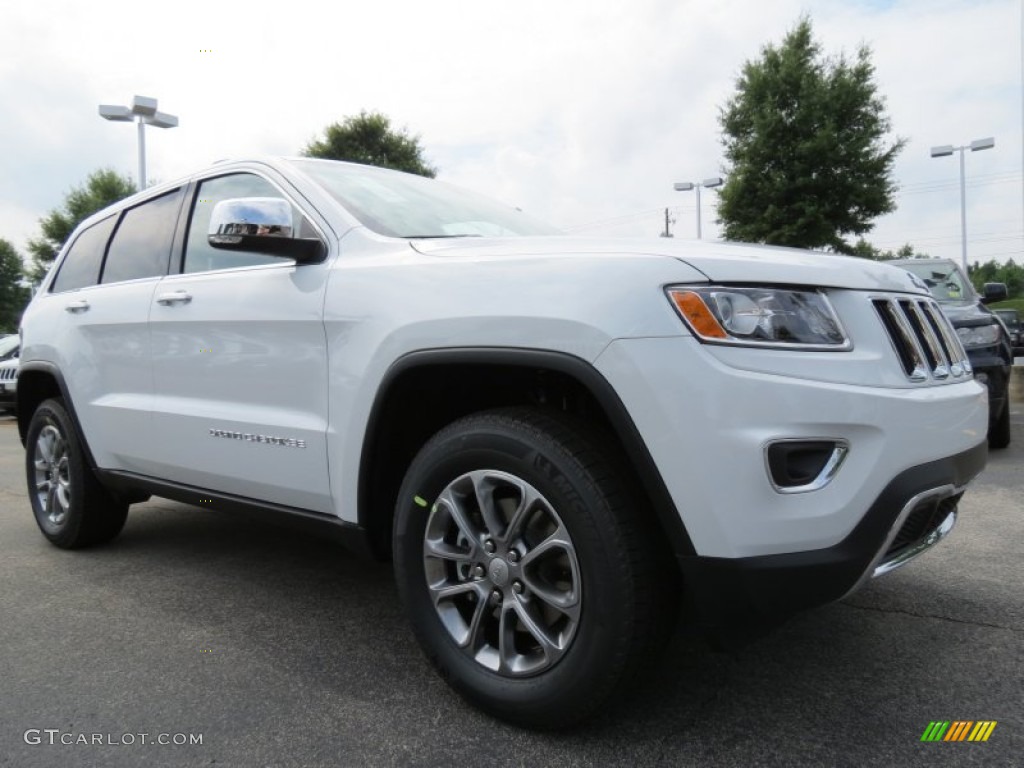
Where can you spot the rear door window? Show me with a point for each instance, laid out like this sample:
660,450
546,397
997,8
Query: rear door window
142,243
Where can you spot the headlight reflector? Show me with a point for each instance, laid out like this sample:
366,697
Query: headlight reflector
774,317
978,336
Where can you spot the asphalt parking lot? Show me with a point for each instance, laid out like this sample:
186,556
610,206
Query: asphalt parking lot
277,649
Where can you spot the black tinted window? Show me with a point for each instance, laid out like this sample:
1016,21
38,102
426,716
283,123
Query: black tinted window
200,256
81,266
142,242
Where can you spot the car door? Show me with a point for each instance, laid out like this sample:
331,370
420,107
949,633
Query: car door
97,308
240,362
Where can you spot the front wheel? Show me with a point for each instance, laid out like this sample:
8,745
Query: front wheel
70,506
528,569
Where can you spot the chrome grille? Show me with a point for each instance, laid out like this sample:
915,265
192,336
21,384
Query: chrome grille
925,342
8,374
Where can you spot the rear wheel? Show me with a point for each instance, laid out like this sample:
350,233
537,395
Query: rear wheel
71,508
529,571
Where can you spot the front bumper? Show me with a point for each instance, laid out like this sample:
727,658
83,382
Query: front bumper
915,511
761,554
707,424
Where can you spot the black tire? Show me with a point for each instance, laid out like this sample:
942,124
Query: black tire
999,430
70,506
605,556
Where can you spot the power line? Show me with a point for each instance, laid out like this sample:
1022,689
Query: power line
623,217
942,186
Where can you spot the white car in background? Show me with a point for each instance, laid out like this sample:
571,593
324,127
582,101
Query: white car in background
9,346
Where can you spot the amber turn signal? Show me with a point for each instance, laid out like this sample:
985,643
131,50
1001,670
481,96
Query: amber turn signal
697,314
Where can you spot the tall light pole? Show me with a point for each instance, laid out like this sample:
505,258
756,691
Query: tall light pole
142,112
686,186
948,149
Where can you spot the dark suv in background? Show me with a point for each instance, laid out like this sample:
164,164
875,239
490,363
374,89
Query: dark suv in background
1011,319
986,339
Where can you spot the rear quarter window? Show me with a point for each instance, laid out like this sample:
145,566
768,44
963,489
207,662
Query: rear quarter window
81,265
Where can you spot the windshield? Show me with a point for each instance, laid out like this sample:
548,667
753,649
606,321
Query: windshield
404,205
943,279
8,344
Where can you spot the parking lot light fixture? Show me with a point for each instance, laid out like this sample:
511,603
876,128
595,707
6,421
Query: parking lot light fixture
944,150
686,186
142,112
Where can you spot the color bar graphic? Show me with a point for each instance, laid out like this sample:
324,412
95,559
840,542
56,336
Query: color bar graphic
958,730
982,730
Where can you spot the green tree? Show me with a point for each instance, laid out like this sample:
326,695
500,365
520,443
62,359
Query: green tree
866,250
102,188
368,138
983,273
1012,274
992,271
14,294
808,160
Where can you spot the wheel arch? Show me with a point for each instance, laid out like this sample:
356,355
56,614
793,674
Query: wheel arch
38,381
423,391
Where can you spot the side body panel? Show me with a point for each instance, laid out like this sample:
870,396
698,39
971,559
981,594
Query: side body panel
98,338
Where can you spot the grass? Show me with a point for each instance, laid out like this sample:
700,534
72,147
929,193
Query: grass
1017,304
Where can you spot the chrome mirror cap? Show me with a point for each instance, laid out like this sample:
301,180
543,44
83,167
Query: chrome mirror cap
261,225
249,217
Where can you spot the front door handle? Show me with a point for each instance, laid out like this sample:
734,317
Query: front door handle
77,306
175,297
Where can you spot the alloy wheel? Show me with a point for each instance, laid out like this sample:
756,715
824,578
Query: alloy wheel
52,474
502,573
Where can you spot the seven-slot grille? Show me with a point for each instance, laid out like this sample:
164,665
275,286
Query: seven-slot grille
8,374
927,345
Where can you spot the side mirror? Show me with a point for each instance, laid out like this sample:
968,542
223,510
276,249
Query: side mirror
260,225
994,292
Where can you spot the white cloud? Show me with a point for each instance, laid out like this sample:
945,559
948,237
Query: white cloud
576,111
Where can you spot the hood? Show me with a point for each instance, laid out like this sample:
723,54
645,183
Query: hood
967,313
720,262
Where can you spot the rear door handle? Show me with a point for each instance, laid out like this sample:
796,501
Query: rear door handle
77,306
175,297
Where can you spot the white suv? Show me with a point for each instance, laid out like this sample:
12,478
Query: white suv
558,441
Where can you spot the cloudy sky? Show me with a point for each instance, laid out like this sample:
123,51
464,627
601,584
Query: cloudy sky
582,112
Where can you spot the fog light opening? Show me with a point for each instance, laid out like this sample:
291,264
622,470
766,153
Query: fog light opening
800,466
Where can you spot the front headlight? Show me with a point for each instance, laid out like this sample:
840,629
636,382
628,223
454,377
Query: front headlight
762,317
978,336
